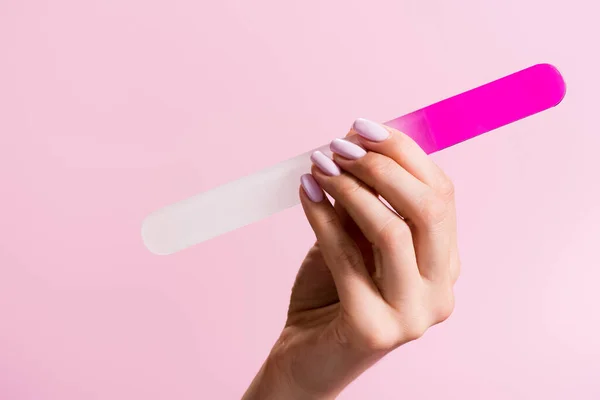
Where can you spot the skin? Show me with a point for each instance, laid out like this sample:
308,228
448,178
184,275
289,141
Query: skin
375,279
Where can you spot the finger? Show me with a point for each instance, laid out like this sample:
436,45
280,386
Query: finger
346,220
353,283
400,148
428,212
395,262
408,154
365,247
398,187
355,233
370,214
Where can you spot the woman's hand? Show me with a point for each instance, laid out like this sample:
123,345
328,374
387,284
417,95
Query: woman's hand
376,278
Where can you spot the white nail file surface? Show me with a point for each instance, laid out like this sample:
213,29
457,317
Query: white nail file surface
227,207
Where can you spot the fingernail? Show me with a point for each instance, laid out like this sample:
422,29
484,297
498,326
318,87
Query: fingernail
370,130
347,149
311,188
325,164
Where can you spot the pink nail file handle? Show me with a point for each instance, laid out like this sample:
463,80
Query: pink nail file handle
435,127
483,109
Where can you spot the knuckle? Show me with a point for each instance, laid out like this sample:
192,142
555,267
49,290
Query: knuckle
348,256
413,321
441,303
326,222
348,187
330,220
455,268
414,330
377,340
379,334
378,166
443,309
446,189
432,210
393,233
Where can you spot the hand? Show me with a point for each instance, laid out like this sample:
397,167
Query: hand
376,278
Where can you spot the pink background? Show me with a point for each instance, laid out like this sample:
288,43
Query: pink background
111,109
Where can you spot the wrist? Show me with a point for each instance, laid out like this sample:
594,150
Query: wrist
274,382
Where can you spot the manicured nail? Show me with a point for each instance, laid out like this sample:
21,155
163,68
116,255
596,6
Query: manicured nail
370,130
325,164
347,149
311,188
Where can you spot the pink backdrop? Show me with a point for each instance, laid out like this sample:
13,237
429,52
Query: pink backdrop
111,109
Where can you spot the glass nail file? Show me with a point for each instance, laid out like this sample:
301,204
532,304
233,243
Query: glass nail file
435,127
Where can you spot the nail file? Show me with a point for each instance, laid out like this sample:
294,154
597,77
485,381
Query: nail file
435,127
